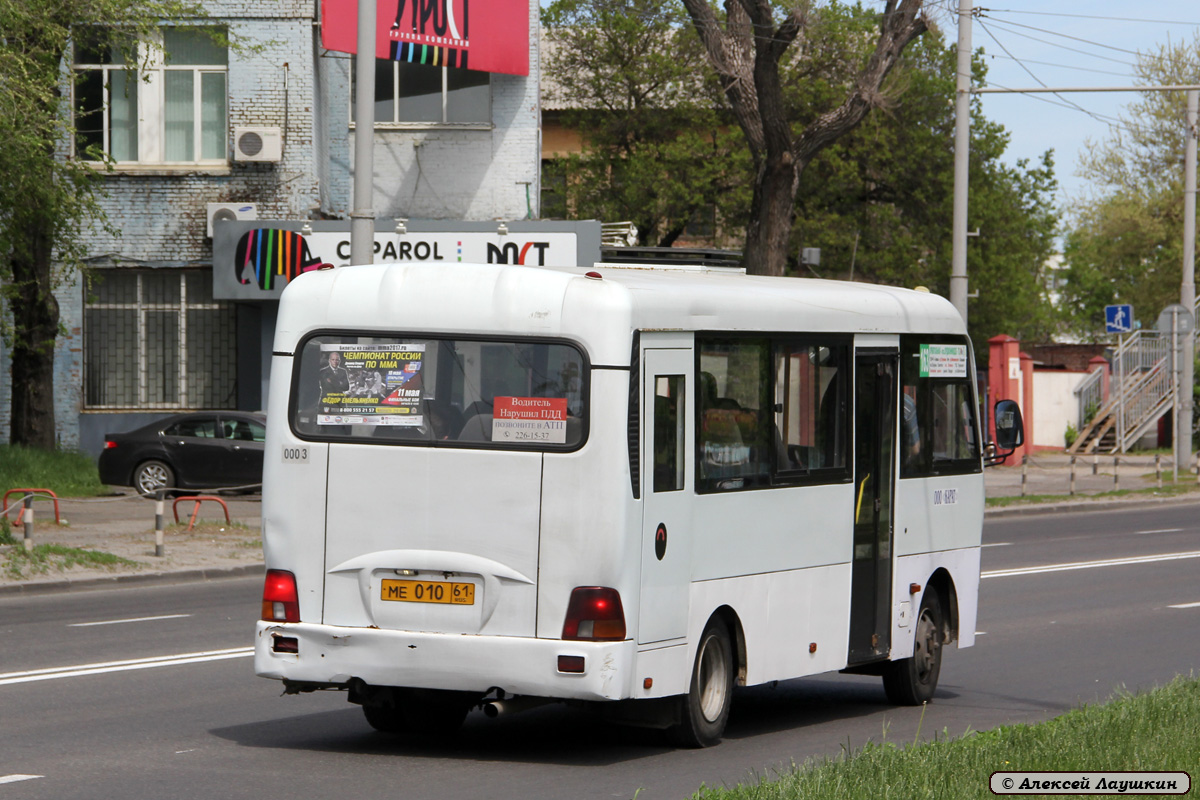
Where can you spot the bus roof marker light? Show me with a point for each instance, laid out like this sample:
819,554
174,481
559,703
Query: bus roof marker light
596,276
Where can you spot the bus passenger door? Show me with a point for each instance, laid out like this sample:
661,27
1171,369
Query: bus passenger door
667,487
874,480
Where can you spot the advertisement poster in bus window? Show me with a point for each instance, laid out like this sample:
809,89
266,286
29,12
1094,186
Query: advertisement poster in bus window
530,419
370,385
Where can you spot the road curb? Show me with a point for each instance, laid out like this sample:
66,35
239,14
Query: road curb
133,579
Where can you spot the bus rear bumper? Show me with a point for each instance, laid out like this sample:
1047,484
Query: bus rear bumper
334,656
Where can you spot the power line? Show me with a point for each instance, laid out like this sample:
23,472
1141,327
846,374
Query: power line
1091,16
1028,71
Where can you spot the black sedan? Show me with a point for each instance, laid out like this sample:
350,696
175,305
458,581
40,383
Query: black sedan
205,450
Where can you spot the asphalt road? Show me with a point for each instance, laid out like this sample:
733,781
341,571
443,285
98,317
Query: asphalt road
160,701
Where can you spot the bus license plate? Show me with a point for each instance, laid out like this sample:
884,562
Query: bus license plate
459,594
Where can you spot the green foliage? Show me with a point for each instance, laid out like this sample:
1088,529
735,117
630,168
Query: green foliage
877,202
631,77
6,536
66,474
43,558
1125,244
1070,434
1154,731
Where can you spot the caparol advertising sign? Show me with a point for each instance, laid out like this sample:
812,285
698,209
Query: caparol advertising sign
255,259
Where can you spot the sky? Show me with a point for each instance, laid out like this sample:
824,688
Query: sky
1067,44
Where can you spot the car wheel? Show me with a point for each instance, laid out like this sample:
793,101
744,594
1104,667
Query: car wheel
150,476
704,709
912,681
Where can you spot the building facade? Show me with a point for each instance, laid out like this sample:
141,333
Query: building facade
259,127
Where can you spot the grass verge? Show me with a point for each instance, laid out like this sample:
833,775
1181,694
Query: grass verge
1154,731
66,474
43,558
1168,490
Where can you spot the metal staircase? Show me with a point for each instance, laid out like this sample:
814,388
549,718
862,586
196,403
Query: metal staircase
1142,377
1140,395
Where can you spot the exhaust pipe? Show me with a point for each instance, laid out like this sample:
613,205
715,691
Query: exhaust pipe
513,705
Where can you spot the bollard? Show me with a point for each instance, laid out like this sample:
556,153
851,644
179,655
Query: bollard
28,523
1095,464
1116,473
1072,475
1024,470
1158,470
159,521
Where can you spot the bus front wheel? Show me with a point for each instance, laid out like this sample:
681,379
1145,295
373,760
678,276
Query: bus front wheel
705,708
912,681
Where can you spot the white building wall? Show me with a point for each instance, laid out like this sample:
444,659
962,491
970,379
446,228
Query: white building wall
1054,406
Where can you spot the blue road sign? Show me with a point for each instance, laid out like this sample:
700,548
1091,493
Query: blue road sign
1118,319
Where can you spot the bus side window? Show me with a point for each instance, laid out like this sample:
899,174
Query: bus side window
668,433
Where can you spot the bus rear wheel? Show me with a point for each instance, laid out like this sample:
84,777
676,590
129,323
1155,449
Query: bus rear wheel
912,681
420,712
705,708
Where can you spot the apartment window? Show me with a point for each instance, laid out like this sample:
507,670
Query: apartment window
157,339
410,93
172,109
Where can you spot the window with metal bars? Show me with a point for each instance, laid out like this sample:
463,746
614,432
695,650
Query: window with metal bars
158,339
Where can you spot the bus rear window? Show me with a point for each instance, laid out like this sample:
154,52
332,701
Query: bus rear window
433,391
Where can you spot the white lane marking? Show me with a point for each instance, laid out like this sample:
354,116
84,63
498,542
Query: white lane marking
998,544
122,621
16,778
1186,605
1160,530
1112,562
54,673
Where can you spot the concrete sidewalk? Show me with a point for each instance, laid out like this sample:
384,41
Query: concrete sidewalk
124,524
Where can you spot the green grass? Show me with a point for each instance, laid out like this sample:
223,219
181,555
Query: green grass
43,558
65,474
1155,731
1168,489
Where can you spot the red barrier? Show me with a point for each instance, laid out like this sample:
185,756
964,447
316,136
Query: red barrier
35,493
196,508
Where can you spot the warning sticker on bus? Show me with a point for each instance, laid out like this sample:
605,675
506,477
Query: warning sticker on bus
943,361
530,419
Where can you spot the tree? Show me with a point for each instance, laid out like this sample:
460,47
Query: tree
746,47
656,149
1125,243
47,197
878,202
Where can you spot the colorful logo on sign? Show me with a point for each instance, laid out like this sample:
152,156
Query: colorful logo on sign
271,257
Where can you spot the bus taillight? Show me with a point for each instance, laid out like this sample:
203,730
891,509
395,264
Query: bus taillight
594,614
280,601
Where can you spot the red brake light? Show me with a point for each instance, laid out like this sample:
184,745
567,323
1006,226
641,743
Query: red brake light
109,445
280,601
594,614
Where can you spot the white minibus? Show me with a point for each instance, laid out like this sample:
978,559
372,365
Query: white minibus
633,487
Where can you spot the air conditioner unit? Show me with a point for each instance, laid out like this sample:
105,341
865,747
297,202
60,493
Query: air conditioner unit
232,211
257,143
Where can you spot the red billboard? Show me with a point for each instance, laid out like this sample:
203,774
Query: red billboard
484,35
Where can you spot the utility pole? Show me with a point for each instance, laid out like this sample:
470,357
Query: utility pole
962,154
362,212
1187,290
